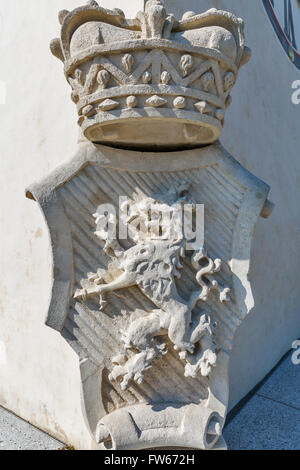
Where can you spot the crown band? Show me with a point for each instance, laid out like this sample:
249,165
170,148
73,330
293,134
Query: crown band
144,44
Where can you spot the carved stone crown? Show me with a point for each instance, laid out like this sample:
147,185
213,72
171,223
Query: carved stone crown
129,77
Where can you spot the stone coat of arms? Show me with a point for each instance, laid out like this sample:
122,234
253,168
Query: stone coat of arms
151,314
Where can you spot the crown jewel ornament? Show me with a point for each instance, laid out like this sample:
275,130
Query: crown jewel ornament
156,59
151,315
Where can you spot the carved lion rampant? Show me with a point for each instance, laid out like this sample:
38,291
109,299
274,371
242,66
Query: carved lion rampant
153,264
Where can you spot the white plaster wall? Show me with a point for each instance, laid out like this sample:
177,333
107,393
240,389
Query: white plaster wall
39,376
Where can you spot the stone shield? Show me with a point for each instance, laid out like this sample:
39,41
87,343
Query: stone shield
142,386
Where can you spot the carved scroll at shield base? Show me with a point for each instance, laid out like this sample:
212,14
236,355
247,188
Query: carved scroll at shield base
152,322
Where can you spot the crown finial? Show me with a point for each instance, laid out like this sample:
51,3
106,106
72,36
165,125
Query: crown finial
93,3
155,17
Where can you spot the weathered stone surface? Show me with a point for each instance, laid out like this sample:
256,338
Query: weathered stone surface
155,58
154,361
151,317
